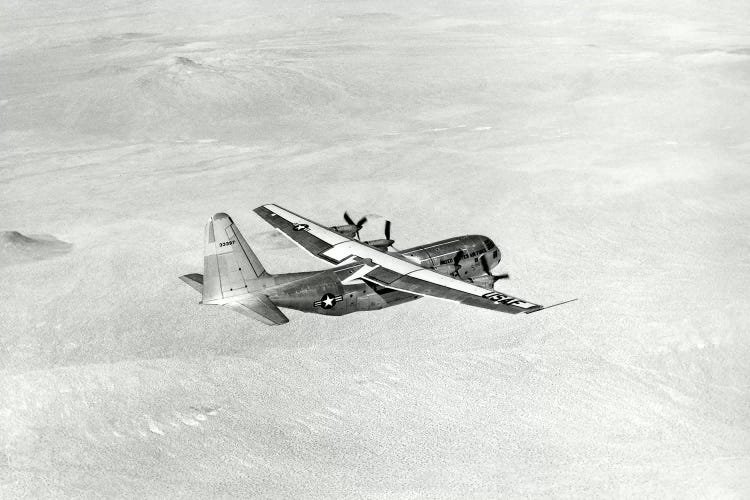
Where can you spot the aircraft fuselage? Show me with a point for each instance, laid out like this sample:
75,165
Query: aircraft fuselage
330,292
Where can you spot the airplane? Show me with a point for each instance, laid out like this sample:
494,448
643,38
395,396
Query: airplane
365,276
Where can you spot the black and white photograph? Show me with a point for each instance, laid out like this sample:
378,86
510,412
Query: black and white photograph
374,249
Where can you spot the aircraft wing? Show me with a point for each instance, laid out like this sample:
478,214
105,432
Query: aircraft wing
386,269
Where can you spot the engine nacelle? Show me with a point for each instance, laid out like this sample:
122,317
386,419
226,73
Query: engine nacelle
381,244
484,280
349,230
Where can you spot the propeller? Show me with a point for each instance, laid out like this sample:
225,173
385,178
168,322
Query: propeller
458,257
486,268
388,235
361,222
383,244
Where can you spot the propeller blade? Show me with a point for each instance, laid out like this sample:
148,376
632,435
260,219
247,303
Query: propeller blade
458,257
486,269
387,230
485,264
361,222
348,219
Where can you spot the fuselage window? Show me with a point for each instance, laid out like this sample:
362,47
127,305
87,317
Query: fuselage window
494,254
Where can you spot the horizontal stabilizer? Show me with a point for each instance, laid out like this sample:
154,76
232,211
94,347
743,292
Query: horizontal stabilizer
195,280
260,308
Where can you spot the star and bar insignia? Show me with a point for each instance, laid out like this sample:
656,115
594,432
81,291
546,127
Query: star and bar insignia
328,300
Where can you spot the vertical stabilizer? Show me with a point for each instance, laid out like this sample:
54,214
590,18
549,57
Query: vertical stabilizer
229,265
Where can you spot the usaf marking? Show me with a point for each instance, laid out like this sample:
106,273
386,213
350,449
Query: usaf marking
301,227
499,298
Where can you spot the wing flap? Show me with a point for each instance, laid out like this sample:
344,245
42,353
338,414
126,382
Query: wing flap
384,275
494,301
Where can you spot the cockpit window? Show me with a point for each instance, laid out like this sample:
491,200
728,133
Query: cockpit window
489,244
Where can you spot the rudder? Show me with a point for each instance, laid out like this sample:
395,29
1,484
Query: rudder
229,265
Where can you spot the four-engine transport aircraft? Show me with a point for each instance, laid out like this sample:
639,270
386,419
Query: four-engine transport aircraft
366,276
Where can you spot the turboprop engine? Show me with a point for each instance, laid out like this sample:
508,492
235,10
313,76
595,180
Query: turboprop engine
484,280
384,243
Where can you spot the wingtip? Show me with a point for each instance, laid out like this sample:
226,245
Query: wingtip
261,207
541,308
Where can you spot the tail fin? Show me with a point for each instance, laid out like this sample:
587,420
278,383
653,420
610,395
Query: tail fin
229,265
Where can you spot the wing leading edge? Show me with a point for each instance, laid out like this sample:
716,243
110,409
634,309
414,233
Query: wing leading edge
387,269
